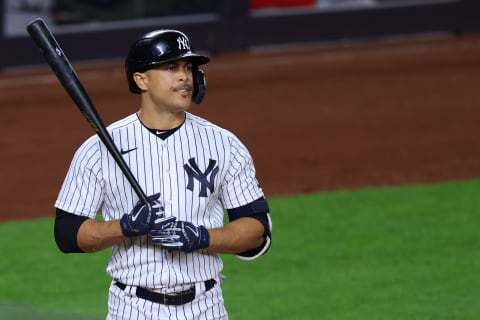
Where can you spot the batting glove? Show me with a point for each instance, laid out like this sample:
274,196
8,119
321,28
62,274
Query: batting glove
181,236
140,220
160,222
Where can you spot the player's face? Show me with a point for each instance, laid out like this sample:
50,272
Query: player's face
169,86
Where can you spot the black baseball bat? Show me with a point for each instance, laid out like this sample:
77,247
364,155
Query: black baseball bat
61,66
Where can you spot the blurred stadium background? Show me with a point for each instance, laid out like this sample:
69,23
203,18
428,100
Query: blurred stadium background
401,253
224,25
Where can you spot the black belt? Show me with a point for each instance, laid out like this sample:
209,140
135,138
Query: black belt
174,299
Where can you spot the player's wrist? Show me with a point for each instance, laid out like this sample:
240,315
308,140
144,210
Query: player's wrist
203,238
127,229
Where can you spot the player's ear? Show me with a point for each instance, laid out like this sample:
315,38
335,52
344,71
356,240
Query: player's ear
140,80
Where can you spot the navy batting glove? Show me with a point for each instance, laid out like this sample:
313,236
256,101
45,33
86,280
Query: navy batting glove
160,222
181,236
139,221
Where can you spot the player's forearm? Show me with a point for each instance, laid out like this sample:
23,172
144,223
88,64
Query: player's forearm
237,236
94,235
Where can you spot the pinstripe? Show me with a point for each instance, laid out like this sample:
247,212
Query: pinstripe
95,182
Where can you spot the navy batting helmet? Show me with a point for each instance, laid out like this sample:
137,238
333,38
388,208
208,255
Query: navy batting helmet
164,46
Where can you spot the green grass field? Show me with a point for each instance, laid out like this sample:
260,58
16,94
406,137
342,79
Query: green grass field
407,252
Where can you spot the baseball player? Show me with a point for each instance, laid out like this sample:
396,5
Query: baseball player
165,262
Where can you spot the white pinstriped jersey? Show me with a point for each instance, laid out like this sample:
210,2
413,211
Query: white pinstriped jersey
199,170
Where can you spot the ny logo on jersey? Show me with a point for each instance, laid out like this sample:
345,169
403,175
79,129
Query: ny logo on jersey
194,172
183,43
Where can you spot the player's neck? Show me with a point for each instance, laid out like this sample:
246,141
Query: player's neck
161,120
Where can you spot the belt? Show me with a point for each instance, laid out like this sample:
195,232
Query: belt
174,299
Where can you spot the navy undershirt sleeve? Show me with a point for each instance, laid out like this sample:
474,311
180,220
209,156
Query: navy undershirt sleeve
258,210
66,229
258,206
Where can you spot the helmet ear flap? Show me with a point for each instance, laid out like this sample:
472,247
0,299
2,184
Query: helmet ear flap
199,85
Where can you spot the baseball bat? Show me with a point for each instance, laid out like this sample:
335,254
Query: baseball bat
61,66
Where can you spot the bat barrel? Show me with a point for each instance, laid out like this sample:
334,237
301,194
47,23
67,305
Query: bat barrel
65,73
51,51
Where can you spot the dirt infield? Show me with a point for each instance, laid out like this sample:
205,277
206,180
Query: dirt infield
317,119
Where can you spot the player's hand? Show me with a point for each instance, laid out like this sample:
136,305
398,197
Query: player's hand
181,236
142,217
160,221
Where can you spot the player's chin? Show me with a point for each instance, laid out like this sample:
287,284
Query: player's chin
183,105
184,102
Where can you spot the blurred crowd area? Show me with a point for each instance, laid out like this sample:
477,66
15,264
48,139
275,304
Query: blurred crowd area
63,12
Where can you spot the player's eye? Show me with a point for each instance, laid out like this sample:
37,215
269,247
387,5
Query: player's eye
167,67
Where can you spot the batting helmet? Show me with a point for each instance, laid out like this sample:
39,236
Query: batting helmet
164,46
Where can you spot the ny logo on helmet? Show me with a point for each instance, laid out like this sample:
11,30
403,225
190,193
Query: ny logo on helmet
183,43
